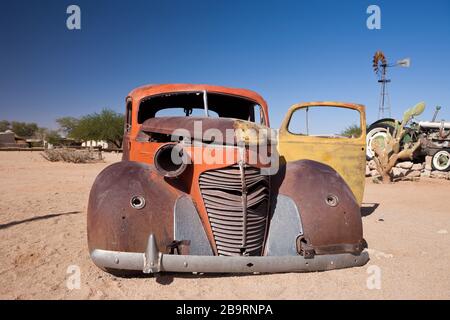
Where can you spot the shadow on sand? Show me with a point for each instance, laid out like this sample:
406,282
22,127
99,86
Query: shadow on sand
48,216
368,208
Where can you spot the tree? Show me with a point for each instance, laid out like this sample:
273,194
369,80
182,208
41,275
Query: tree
53,137
5,125
387,150
67,124
24,129
106,125
50,136
353,131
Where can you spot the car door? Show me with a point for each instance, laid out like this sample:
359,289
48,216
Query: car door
333,133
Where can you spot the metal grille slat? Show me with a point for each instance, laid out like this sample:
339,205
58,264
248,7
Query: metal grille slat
229,231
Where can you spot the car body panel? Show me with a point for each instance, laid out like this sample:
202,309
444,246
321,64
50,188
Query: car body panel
346,156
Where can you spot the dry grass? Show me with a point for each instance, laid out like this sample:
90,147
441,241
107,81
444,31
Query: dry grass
72,155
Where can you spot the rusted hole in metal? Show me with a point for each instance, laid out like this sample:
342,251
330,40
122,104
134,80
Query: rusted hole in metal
137,202
332,200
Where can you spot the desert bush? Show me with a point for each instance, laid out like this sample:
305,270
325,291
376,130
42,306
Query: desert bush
71,155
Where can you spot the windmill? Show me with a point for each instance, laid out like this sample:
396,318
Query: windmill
380,65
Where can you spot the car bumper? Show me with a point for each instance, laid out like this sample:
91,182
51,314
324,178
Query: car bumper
153,261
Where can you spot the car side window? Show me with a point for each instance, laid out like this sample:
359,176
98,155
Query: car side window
128,116
325,121
258,114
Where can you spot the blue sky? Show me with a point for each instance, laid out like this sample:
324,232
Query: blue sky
288,51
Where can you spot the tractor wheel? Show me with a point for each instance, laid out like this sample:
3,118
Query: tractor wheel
375,131
441,160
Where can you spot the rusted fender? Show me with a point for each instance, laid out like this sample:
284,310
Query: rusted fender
112,222
329,213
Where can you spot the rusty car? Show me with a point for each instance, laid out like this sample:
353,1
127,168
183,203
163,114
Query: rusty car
206,186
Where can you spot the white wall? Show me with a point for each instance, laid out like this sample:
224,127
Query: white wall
93,143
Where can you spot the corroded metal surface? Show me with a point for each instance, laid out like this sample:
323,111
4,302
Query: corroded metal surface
167,125
245,132
114,224
327,228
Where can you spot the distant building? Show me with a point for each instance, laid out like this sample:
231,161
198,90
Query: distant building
69,142
92,143
36,143
9,139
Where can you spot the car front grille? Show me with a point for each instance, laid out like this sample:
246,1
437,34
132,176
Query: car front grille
236,199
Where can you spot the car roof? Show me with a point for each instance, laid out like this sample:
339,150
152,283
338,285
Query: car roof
155,89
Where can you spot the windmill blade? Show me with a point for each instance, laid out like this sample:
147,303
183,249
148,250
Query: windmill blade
379,60
375,65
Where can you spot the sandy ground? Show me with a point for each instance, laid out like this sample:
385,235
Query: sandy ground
43,234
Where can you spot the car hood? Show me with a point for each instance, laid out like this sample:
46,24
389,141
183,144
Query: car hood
205,129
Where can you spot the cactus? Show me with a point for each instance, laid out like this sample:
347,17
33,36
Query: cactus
388,151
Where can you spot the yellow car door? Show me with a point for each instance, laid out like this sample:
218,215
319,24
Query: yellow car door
333,133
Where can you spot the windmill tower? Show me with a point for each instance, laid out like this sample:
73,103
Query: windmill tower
380,66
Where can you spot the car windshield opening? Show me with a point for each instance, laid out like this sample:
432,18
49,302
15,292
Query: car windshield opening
193,104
